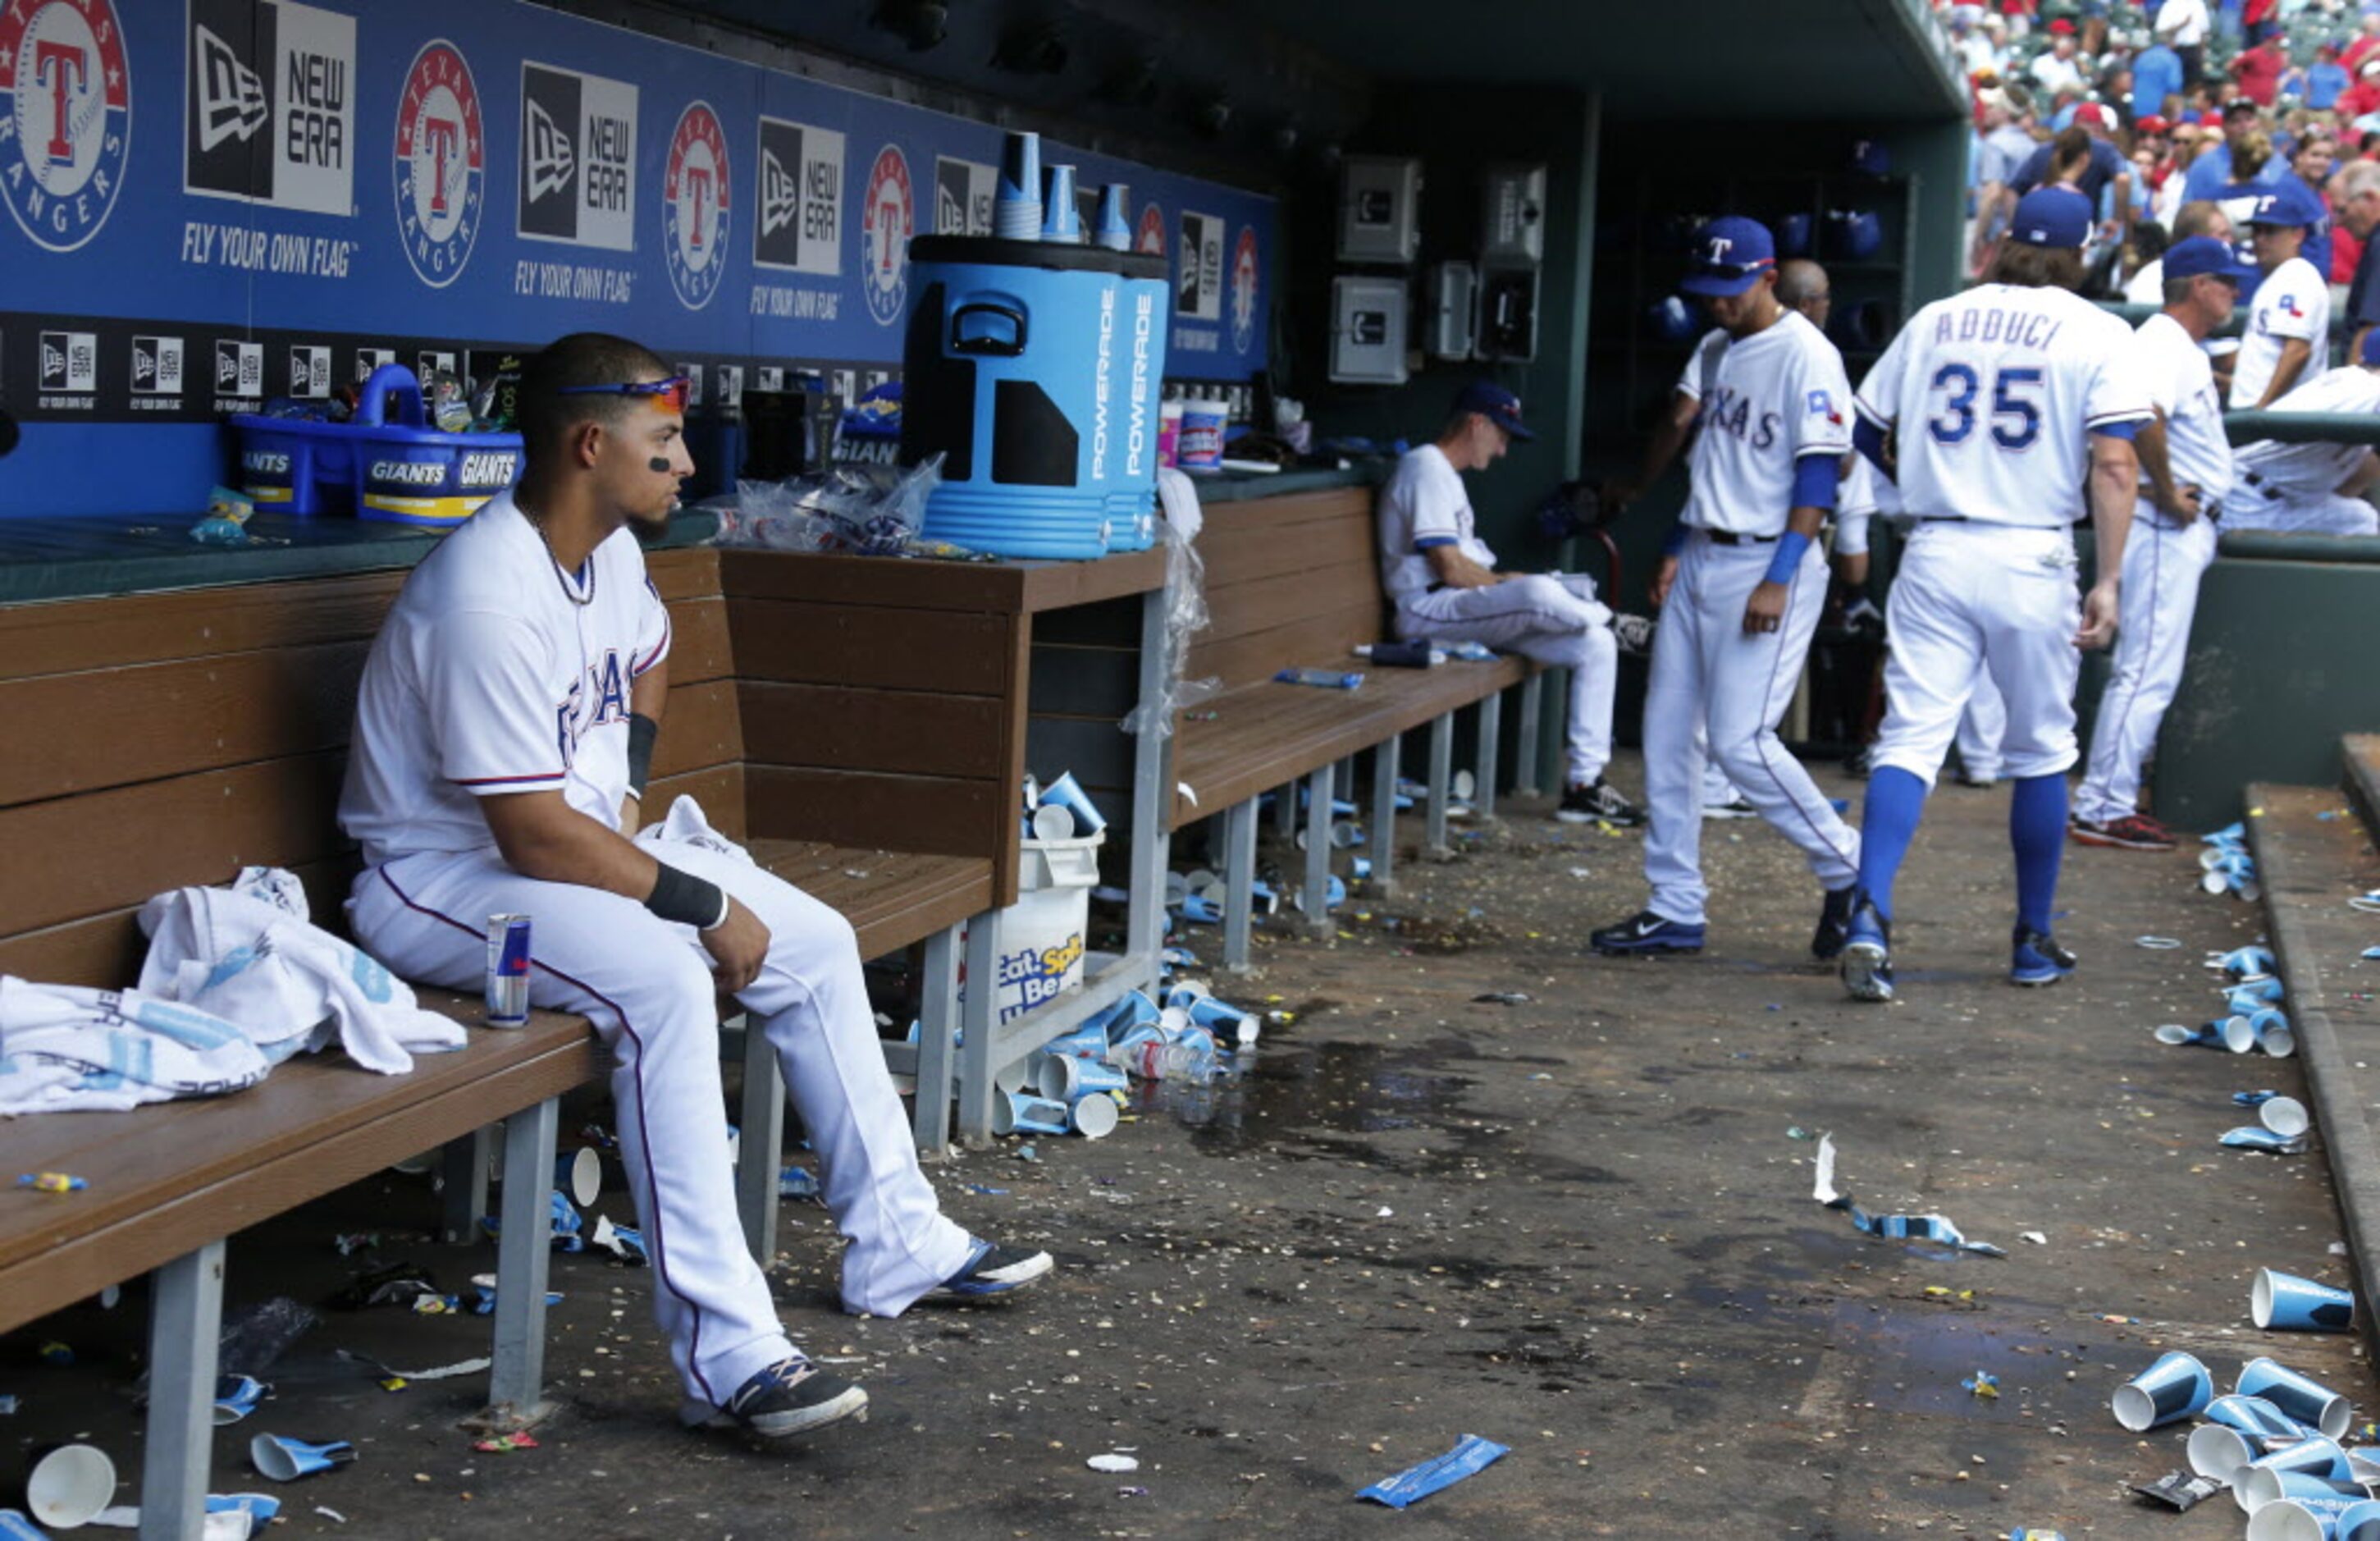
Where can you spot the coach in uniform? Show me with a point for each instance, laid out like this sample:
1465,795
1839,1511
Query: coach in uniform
1442,579
1740,586
1990,409
2185,465
504,725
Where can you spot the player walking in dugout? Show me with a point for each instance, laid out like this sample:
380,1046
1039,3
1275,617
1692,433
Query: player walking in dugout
1740,586
504,726
1989,411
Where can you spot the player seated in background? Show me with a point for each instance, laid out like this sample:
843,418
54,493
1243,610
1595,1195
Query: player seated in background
1990,410
2319,486
503,729
1443,581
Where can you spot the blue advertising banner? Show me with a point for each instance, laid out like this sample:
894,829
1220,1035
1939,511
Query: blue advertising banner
210,203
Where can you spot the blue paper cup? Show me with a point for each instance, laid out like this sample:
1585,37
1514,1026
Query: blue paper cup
15,1527
2274,1035
1062,217
2284,1302
2358,1522
1065,791
1094,1117
236,1396
1086,1042
1066,1078
2240,1430
1115,231
2306,1401
2285,1116
579,1173
1131,1012
1219,1019
1201,910
1023,1113
2301,1517
2175,1387
283,1459
1017,202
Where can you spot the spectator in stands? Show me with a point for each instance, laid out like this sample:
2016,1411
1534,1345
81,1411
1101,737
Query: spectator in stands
2204,218
2355,192
2056,70
2257,71
2364,44
2364,96
2163,178
2181,25
2325,78
2318,487
2310,167
2004,147
2212,170
2156,74
2093,161
2262,26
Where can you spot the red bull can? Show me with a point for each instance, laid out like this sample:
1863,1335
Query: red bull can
507,971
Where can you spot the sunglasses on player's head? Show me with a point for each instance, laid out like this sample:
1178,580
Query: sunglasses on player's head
671,392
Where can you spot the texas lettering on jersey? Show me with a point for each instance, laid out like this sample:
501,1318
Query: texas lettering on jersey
606,682
1730,411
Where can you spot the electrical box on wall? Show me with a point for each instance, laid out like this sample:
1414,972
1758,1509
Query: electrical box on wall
1513,216
1368,330
1454,313
1508,315
1379,202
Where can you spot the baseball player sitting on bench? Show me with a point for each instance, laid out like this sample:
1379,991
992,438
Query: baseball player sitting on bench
1741,586
1442,579
503,729
2317,487
1990,409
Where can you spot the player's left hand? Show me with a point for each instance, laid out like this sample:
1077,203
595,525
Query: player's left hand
2098,618
1767,610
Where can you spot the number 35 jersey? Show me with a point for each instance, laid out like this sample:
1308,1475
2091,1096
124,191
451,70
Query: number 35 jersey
1992,395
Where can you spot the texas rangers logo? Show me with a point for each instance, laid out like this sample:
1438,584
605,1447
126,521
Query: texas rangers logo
1822,405
1150,237
888,216
442,163
1244,289
696,202
66,128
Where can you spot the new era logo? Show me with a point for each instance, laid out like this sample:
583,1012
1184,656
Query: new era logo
70,362
239,368
553,164
309,371
157,366
231,96
780,194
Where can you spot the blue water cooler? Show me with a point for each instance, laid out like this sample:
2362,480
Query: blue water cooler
1033,369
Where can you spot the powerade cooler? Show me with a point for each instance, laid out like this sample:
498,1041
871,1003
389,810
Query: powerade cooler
1033,369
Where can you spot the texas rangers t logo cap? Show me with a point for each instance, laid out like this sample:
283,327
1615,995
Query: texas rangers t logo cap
1728,255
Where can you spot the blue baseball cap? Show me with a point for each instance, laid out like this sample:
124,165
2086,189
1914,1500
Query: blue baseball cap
2051,216
1730,255
2287,204
1494,403
2370,352
2200,256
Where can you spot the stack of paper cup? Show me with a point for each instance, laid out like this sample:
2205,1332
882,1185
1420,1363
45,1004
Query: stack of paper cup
1061,218
1115,217
1017,206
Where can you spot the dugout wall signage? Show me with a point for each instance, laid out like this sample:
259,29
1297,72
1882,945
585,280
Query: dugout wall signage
270,104
442,163
578,159
963,195
696,195
65,124
800,227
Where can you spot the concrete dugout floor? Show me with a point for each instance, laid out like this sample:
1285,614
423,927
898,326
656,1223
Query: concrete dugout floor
1579,1226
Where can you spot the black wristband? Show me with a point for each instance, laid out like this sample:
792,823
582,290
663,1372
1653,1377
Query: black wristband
642,731
687,898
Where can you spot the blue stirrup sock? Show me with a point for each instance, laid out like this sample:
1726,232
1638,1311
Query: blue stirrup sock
1896,799
2038,834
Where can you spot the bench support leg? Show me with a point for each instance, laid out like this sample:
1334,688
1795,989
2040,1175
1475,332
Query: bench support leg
463,1171
1239,882
760,1148
937,1025
1315,903
517,1383
184,1321
1441,787
978,1019
1284,812
1491,733
1153,791
1384,817
1524,750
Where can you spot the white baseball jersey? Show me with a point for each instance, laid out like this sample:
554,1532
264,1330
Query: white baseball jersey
1992,393
1767,401
2181,384
1423,505
2322,466
2292,302
489,677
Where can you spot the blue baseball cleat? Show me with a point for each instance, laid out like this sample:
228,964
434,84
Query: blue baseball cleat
993,1270
2038,959
1867,953
1646,933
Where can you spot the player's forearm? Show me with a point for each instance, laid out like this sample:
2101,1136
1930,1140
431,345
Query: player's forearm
2294,354
1455,570
2114,484
2150,445
541,836
1667,439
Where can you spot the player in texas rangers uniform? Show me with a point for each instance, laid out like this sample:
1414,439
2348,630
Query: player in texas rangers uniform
2316,487
2185,466
1740,594
503,731
2287,338
1990,409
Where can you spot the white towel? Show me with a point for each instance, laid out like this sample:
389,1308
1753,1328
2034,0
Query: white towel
65,1048
687,826
249,955
1177,494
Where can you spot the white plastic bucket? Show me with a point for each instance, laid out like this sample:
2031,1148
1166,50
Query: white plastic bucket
1043,935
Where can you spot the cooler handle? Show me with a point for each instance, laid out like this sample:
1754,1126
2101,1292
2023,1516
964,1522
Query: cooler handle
1007,344
391,379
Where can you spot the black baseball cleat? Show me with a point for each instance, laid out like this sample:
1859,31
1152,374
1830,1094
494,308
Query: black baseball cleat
1599,803
791,1395
1646,933
1867,953
2035,958
993,1270
1834,923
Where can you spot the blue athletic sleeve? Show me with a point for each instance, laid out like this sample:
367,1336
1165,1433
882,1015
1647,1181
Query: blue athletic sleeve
1868,439
2125,428
1815,478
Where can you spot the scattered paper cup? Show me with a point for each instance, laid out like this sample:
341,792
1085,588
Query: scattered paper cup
1020,1112
2285,1116
283,1459
2285,1302
1053,822
1095,1116
2358,1522
65,1484
2175,1387
2301,1517
579,1173
2299,1398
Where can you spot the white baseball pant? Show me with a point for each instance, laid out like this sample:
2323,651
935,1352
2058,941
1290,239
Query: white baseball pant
2310,514
1552,617
647,985
2000,595
1982,726
2162,566
1719,693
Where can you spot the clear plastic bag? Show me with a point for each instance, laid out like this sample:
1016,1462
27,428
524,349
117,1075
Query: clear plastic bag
1186,613
857,509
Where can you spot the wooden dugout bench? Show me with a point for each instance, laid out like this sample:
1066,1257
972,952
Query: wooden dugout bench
168,739
1293,581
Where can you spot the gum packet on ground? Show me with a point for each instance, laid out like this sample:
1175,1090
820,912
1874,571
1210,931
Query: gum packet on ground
2180,1489
1470,1454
